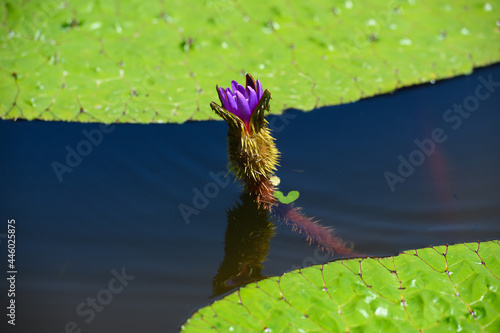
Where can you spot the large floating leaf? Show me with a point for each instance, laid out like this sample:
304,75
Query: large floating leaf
159,61
437,289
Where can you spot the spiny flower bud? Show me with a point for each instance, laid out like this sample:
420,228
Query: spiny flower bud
253,156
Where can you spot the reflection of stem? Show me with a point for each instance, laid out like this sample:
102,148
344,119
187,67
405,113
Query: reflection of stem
315,232
249,230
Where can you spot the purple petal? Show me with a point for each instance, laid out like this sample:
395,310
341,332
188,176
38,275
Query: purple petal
259,90
232,107
252,99
242,90
222,97
243,107
234,85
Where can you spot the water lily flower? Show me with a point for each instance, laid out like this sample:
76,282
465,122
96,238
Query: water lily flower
242,101
253,156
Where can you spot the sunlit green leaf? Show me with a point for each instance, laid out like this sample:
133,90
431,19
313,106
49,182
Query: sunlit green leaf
436,289
289,198
159,61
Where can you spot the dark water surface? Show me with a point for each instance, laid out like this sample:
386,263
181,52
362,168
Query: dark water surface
117,211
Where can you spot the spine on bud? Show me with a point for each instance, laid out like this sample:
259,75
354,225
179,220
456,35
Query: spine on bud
253,159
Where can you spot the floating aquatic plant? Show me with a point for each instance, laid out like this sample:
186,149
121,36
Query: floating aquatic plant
253,159
253,156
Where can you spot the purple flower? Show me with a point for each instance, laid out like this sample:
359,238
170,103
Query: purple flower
242,101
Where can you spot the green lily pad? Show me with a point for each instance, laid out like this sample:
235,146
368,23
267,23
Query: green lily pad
291,197
159,61
436,289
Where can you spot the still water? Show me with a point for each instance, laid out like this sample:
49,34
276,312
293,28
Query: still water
103,246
